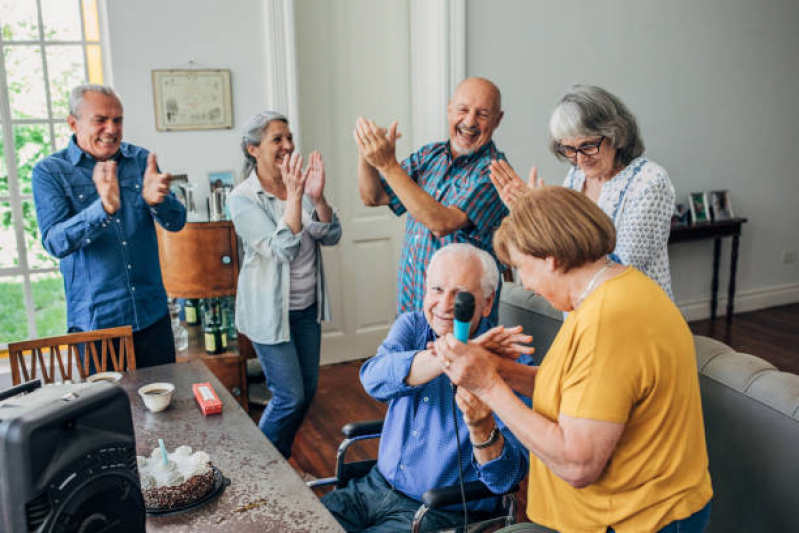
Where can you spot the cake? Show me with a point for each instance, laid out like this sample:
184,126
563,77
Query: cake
185,478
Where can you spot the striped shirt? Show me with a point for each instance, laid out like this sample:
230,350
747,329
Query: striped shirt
464,183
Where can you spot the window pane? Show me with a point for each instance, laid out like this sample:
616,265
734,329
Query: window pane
19,21
62,135
3,171
25,82
61,20
33,144
13,322
49,304
37,255
91,24
94,54
66,69
8,239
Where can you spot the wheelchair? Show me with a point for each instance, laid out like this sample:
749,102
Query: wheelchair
432,499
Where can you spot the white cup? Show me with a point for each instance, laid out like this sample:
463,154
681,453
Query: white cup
104,377
157,396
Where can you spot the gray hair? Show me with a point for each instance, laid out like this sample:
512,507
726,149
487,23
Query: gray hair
591,111
253,133
490,278
76,97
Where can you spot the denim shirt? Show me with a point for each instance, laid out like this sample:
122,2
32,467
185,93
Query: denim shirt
110,266
262,296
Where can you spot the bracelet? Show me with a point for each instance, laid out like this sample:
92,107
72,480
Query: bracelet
492,438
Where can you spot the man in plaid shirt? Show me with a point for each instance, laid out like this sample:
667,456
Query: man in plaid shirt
444,186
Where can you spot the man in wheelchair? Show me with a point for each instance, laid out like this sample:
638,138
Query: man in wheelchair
419,443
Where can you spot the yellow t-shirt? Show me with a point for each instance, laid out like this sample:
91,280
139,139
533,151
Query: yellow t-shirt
625,355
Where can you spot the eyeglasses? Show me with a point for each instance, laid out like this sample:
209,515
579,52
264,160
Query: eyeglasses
586,149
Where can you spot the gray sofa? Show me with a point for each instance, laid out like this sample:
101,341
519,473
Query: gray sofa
751,414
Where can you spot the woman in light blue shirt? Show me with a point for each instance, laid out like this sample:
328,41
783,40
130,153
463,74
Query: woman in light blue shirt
281,214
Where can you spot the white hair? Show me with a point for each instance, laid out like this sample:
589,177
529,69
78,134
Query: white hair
253,133
489,279
76,97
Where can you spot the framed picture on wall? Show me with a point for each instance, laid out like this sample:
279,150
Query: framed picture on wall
192,99
698,205
720,206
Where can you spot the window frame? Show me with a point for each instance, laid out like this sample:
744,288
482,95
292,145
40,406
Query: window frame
15,198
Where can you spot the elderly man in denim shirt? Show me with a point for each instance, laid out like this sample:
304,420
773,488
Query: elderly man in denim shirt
419,442
96,201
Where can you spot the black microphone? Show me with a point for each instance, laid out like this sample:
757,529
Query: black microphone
464,309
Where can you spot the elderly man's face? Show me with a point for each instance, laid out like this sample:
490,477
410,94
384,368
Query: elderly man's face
449,275
98,126
473,115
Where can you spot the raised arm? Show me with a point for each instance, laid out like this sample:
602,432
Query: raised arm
377,150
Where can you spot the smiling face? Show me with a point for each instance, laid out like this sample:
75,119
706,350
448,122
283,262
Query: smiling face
98,126
277,142
473,115
602,165
446,277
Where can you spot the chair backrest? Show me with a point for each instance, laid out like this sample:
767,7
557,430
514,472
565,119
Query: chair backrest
29,358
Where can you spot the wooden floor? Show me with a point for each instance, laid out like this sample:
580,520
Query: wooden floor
772,334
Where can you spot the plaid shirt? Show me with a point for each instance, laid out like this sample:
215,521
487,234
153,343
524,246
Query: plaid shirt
463,183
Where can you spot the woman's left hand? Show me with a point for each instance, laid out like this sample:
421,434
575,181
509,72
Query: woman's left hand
315,186
467,365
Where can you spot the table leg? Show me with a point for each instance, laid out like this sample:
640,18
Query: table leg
714,287
733,271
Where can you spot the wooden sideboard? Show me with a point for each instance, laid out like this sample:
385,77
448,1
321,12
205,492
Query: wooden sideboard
202,261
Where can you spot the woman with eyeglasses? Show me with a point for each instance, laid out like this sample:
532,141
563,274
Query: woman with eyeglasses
595,132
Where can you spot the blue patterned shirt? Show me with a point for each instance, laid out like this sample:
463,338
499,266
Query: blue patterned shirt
418,449
112,276
640,201
463,183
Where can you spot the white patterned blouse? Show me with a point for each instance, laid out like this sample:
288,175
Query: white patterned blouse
640,201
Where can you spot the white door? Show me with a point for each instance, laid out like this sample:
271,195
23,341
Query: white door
353,59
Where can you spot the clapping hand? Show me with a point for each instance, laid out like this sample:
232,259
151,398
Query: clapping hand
105,179
375,144
293,177
156,184
315,185
509,185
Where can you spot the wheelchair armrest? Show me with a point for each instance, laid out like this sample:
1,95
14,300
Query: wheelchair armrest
360,429
474,490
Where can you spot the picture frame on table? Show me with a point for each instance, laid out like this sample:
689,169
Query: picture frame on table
222,179
697,201
681,216
720,205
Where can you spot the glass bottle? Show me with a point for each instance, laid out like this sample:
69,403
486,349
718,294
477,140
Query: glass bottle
192,312
179,331
213,344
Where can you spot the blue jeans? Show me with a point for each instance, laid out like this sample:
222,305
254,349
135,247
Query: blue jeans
292,373
369,504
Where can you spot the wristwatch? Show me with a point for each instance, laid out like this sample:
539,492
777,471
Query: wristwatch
492,438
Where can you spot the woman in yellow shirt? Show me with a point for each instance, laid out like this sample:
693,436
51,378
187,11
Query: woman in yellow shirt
615,434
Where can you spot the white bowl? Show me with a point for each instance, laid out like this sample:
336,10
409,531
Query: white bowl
157,396
104,377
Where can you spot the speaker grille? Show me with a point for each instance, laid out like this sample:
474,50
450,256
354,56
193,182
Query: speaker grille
36,511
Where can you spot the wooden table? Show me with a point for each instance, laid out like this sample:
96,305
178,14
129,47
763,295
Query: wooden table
265,494
715,231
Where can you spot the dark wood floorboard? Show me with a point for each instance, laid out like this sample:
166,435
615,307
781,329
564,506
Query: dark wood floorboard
772,334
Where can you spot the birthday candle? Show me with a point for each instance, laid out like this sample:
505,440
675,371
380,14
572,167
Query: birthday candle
163,450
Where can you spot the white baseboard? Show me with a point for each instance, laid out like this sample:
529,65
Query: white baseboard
744,301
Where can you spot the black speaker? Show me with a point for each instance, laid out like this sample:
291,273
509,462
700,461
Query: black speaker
68,460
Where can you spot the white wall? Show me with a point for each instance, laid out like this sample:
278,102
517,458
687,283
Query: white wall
714,85
150,34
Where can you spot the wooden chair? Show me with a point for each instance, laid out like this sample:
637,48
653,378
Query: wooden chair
44,353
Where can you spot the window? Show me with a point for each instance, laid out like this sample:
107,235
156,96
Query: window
47,47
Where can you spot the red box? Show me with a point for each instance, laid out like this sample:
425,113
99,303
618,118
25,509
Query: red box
206,396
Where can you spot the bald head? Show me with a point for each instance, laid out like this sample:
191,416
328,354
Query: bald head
474,112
